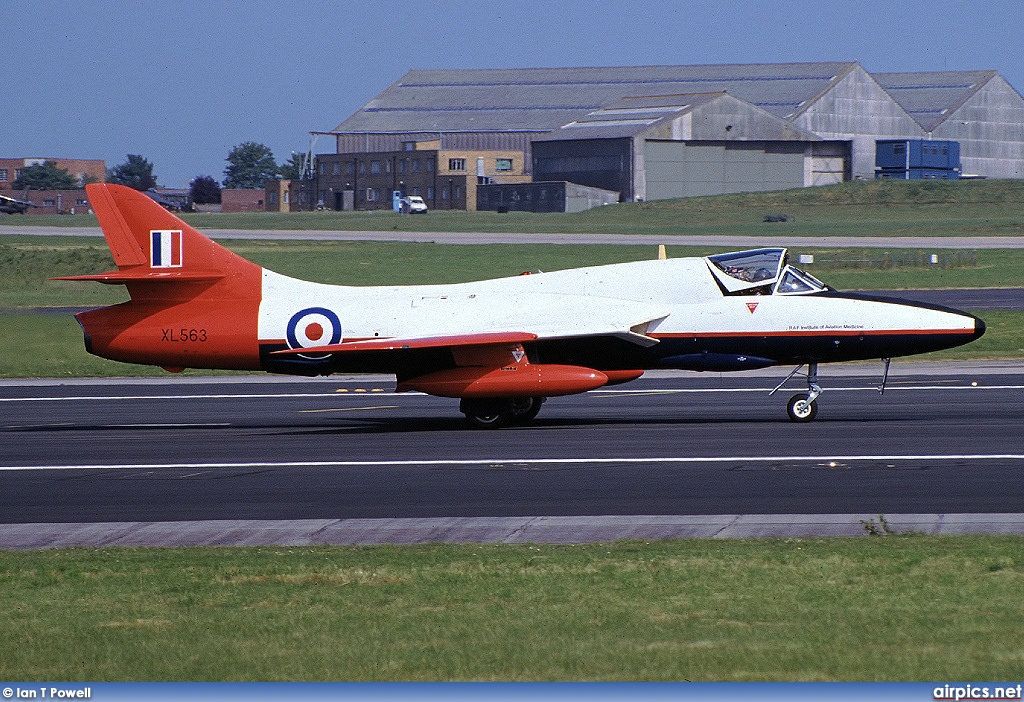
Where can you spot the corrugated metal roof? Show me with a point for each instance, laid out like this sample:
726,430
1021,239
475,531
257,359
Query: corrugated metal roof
930,98
629,116
542,99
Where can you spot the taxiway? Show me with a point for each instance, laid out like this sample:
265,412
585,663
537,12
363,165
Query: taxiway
671,454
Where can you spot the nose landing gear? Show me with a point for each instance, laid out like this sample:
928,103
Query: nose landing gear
803,407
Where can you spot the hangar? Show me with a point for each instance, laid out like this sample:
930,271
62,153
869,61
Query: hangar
650,132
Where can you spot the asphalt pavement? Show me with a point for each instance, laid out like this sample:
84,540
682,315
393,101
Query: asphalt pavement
775,239
346,460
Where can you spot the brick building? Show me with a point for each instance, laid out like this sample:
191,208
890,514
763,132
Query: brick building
53,201
243,200
86,170
446,179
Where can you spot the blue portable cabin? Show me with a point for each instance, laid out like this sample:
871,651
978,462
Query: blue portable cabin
917,158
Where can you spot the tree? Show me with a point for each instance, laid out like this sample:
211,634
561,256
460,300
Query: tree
250,166
204,190
45,176
136,173
292,168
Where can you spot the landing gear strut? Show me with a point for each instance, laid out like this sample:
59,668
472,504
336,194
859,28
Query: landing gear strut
803,407
497,412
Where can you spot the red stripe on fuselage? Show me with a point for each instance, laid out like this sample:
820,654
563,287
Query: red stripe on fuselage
810,332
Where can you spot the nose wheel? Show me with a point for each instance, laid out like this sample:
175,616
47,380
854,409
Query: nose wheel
803,407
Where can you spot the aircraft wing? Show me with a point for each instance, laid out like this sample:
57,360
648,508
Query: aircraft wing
626,321
427,342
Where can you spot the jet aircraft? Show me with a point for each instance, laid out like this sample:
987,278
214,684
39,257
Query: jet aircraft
12,205
500,346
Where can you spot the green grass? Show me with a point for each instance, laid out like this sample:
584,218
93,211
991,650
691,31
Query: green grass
26,264
860,208
887,608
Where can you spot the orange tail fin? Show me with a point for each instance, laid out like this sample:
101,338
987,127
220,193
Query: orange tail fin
150,245
194,303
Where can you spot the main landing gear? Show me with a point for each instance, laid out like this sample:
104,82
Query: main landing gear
497,412
803,407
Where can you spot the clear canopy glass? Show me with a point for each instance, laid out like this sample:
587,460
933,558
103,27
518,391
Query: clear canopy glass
762,272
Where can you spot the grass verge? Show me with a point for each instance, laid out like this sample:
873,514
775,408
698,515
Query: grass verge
887,608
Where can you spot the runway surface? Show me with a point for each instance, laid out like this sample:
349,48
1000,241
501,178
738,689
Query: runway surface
346,460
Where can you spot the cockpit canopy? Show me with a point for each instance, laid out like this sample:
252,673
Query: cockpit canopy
761,272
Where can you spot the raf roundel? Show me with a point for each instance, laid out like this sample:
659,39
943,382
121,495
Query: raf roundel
312,327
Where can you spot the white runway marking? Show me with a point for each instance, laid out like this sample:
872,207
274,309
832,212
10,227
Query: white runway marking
824,459
895,387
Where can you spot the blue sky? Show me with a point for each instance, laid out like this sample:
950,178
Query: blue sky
183,82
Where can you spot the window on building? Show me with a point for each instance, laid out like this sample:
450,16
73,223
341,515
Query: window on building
337,169
456,164
416,165
899,149
503,164
458,192
408,145
323,169
49,203
3,175
430,193
350,167
401,165
81,202
444,193
430,165
374,166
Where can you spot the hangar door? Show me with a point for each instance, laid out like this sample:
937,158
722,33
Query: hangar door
685,169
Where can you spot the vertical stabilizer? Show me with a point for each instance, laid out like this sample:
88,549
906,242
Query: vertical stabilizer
147,240
123,246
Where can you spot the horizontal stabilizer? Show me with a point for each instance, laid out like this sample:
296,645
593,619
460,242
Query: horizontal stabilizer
146,275
482,339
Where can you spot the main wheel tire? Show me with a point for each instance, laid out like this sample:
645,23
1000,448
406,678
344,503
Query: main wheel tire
800,410
487,413
525,409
